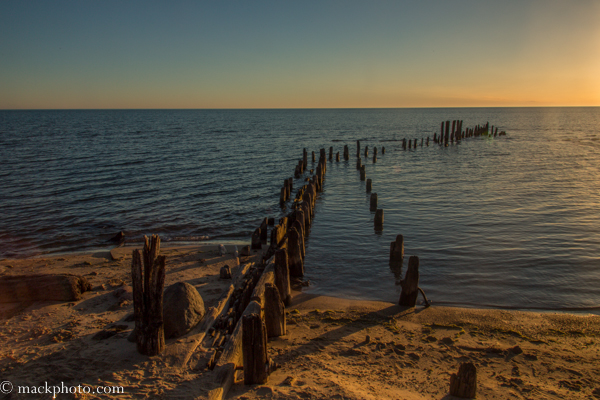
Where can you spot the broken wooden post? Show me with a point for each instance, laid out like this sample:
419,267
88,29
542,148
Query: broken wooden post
263,230
282,276
366,151
363,173
464,384
379,219
254,350
282,196
274,311
369,185
148,284
373,204
397,250
410,284
225,272
295,263
256,242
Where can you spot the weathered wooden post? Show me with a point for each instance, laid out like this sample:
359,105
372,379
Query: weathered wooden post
346,153
337,156
295,263
331,153
404,144
290,185
373,203
298,226
366,151
358,163
313,156
421,142
282,276
382,150
358,148
447,135
378,219
256,242
397,251
363,173
410,284
374,158
148,285
409,144
282,196
369,185
254,350
304,159
274,311
464,384
415,145
263,230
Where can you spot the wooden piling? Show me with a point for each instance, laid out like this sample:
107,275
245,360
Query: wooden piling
313,156
382,150
331,153
397,250
359,163
374,158
346,154
369,185
410,284
337,156
296,265
282,276
254,349
274,311
378,219
148,286
256,242
366,151
263,230
363,173
464,384
358,148
373,202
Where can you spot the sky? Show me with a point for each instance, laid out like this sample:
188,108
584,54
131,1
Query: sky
298,54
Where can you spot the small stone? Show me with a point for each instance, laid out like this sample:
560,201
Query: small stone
368,339
289,381
93,273
515,350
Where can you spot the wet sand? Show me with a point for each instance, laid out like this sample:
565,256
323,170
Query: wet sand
334,348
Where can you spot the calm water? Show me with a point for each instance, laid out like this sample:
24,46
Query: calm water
510,222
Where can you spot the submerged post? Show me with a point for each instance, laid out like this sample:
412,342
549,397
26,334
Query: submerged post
373,202
369,185
378,219
397,251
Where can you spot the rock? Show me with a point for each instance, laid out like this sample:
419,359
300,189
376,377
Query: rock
114,255
118,238
123,293
225,272
183,308
515,350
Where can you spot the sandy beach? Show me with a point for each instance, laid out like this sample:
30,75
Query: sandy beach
334,348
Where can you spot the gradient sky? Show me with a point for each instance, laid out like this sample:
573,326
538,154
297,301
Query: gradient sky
301,54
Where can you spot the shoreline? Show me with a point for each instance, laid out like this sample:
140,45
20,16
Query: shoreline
353,349
211,245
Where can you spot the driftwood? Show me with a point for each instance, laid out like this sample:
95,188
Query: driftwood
464,384
148,297
410,284
27,288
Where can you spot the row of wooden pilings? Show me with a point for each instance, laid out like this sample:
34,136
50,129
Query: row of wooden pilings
454,134
262,291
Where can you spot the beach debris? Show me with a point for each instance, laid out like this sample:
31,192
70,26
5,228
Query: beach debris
464,383
410,284
148,284
222,250
378,220
183,309
42,287
225,272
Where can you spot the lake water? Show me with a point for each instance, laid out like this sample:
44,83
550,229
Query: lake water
511,221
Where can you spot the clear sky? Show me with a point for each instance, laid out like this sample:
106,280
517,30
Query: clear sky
298,54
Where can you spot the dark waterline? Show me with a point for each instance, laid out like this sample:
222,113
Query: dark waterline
510,222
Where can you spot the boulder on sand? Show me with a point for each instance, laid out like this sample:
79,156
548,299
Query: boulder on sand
183,308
